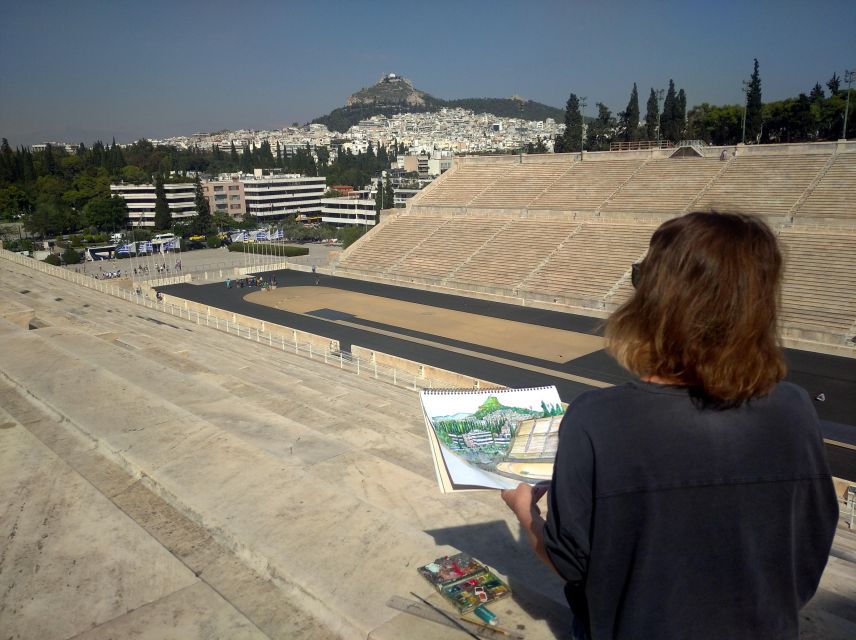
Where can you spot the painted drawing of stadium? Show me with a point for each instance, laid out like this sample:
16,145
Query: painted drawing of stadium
512,433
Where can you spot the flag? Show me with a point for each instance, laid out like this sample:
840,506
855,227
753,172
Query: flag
243,237
168,246
279,235
125,248
261,235
146,247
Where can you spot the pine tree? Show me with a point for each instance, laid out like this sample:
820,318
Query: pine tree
233,156
817,92
651,109
667,118
630,117
753,106
833,84
163,216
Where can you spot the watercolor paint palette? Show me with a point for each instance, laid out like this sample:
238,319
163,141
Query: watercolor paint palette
464,581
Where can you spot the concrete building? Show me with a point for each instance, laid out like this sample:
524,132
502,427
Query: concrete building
140,199
269,195
342,212
402,195
226,193
439,163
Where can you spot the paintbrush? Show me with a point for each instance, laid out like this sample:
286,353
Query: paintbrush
447,616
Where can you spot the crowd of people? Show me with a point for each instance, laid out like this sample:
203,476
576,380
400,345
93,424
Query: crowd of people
252,281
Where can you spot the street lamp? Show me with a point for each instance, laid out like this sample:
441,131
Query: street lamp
849,76
659,93
745,105
583,105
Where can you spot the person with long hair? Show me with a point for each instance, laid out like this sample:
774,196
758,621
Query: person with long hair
696,500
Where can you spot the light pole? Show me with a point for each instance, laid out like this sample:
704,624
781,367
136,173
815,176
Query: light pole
659,93
583,105
849,76
745,105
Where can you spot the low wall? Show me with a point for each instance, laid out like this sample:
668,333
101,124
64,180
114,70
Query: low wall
437,376
289,334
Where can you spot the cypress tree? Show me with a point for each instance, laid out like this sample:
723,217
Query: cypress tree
667,118
651,116
571,140
203,208
753,105
630,117
163,216
247,160
680,119
233,156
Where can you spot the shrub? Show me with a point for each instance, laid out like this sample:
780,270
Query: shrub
213,242
53,259
269,249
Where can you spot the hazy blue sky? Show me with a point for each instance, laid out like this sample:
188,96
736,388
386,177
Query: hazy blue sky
79,70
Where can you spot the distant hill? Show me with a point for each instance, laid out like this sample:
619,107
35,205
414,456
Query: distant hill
393,94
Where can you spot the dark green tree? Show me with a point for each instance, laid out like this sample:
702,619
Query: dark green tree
651,109
601,130
629,118
14,202
571,139
833,84
163,216
233,156
247,159
680,117
202,222
70,256
667,118
106,213
753,106
816,93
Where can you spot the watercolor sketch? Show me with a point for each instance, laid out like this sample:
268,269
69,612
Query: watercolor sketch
495,438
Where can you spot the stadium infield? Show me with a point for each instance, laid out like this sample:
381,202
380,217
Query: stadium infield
501,343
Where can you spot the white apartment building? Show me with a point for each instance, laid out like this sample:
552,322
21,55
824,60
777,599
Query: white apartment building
140,199
270,195
341,212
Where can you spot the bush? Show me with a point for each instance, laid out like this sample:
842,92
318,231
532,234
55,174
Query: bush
76,240
269,249
24,244
213,242
53,259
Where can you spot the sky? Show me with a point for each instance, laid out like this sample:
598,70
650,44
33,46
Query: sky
82,70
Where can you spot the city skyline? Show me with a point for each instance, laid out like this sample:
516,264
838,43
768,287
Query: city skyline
86,71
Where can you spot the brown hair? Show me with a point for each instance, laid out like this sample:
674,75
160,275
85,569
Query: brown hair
704,312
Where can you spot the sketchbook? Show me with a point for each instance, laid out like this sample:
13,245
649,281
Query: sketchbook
492,438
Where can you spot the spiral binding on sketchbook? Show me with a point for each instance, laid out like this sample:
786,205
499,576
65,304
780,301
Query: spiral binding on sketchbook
471,390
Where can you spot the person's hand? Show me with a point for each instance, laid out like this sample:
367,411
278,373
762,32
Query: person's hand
523,500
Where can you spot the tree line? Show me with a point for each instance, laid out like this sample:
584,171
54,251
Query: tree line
810,117
55,191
